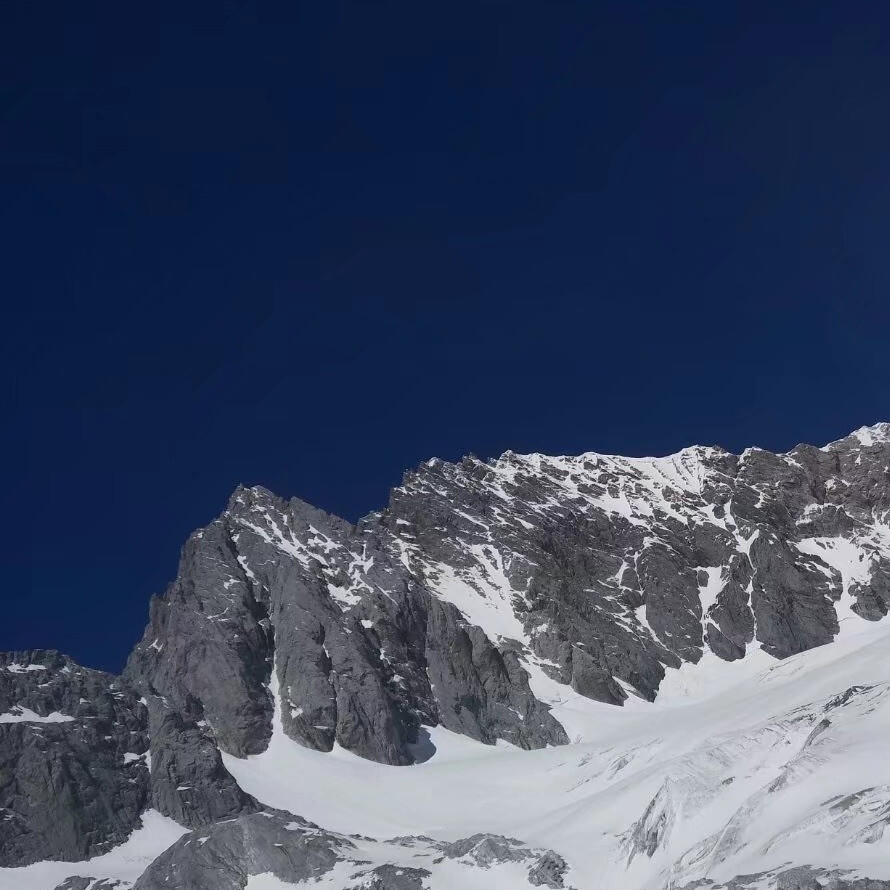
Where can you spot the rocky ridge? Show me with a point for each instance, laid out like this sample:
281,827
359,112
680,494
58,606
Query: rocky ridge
459,605
296,851
600,572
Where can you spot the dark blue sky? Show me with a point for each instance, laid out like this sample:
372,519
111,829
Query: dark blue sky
311,250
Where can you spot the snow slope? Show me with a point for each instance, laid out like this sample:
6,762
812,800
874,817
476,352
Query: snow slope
124,863
714,780
738,768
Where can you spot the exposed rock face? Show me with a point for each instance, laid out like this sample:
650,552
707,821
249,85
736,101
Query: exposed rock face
82,755
206,660
487,849
364,652
73,778
225,855
222,856
597,571
188,780
548,869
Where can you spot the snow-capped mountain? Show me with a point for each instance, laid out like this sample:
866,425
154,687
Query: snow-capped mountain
594,672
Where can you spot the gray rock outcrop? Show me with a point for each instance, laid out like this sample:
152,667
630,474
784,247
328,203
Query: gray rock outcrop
73,779
224,855
82,755
364,654
188,780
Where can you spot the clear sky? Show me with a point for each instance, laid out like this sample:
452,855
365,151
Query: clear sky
312,248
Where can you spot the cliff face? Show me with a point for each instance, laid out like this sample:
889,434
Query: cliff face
597,571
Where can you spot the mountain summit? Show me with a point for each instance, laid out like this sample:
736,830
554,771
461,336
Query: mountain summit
652,631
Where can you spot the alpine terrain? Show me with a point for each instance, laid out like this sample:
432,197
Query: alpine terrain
591,672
